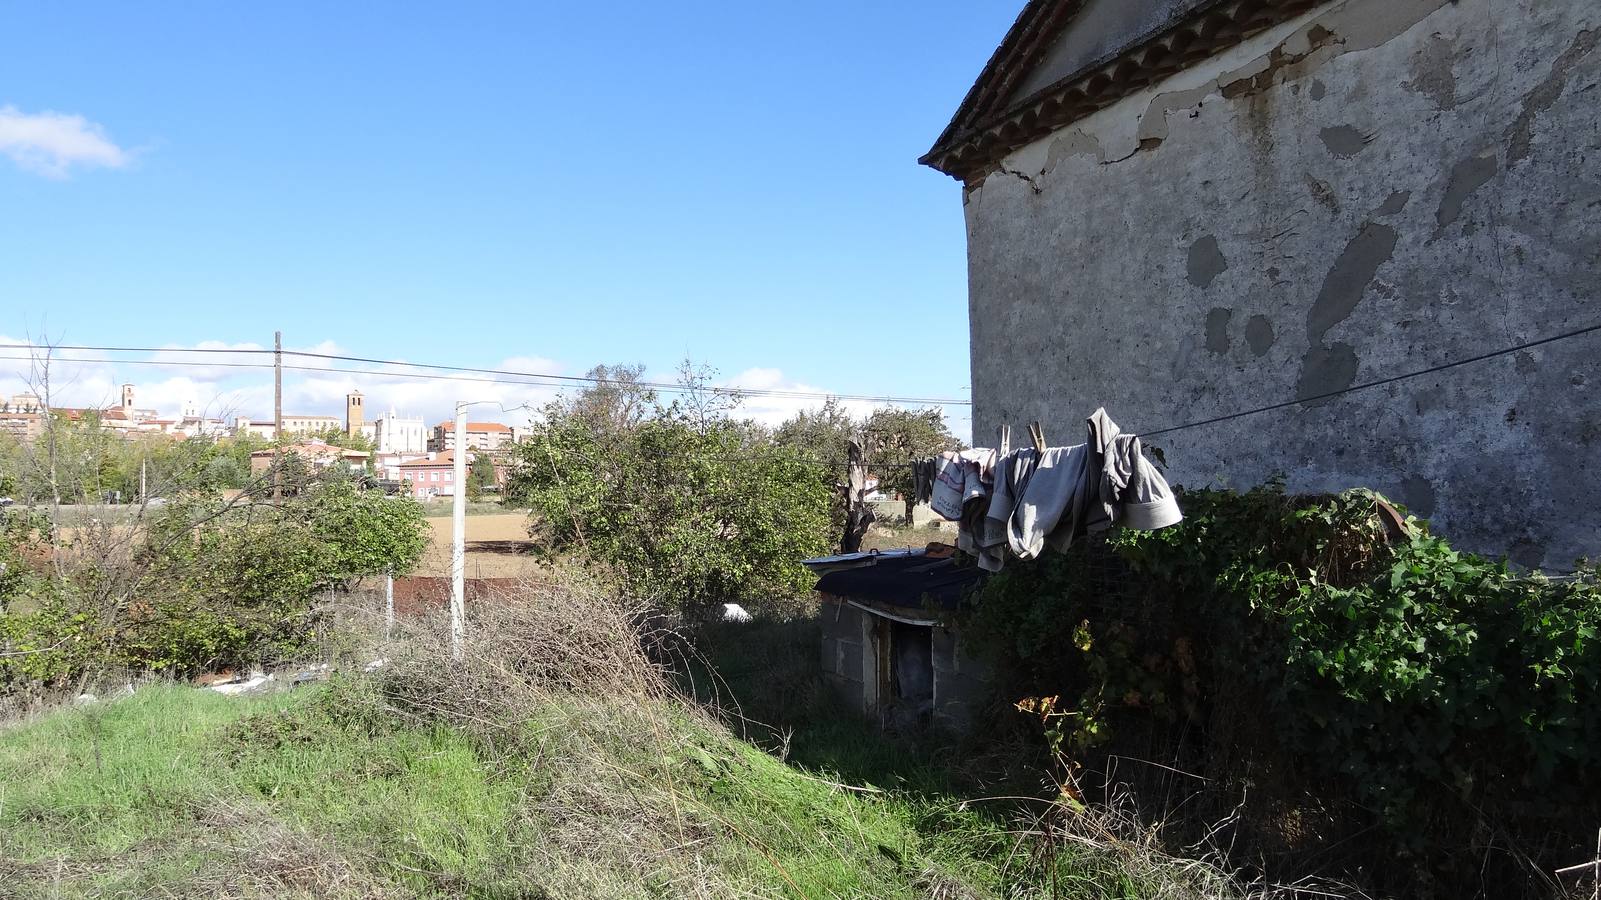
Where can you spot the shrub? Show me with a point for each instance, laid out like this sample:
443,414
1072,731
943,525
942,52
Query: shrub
200,584
235,593
1440,693
688,517
24,548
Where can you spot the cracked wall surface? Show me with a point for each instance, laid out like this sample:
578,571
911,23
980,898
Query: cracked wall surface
1376,187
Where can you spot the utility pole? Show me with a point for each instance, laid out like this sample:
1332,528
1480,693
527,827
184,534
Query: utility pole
277,413
458,533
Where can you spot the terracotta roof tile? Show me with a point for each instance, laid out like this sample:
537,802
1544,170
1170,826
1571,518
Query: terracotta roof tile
450,426
447,458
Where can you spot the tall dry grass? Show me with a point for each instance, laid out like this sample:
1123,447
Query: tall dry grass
555,681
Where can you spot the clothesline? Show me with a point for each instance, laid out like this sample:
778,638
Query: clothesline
1022,501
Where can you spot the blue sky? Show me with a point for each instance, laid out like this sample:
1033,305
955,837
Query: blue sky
474,183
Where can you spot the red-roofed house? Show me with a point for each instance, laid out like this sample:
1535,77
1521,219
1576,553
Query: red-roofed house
431,476
435,475
489,436
316,453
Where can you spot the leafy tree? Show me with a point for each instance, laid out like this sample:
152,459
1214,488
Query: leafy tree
367,532
224,471
336,436
896,436
686,509
613,404
80,461
73,461
821,433
176,467
703,404
235,473
481,476
891,437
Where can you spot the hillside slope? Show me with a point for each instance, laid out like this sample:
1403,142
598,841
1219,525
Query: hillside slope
554,760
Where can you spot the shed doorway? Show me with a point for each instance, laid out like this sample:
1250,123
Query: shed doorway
906,673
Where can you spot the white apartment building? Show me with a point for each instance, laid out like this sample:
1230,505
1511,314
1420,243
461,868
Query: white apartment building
397,434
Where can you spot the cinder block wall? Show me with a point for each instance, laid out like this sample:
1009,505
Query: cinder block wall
961,681
845,658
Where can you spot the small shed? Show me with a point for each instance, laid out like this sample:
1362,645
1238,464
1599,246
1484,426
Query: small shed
891,647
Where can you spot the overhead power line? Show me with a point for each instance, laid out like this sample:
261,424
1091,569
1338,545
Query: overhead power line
53,347
541,378
141,362
656,385
674,388
1505,351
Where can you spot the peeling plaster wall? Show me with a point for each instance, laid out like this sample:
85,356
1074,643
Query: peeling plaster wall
1374,188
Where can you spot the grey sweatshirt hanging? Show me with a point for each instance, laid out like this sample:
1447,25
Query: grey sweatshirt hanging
1061,494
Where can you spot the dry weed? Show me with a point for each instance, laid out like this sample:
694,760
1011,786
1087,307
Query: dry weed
553,679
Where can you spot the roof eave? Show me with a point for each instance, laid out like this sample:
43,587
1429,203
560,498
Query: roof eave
972,149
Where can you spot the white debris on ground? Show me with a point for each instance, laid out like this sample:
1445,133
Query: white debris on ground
229,684
315,673
87,699
257,681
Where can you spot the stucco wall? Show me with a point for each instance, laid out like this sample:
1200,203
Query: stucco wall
1374,188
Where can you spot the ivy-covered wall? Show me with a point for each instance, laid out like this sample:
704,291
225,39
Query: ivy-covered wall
1438,705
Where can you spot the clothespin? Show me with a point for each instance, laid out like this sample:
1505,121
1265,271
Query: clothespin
1038,435
1003,440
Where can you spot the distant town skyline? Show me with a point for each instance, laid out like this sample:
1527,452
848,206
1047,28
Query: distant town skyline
170,380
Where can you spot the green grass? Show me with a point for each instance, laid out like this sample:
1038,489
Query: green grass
329,792
178,785
177,791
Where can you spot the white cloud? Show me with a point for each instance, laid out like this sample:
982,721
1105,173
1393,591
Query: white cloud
432,398
212,366
51,143
95,384
775,410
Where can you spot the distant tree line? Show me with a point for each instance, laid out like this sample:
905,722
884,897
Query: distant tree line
78,461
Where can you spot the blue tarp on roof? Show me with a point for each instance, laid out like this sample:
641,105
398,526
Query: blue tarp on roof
913,582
